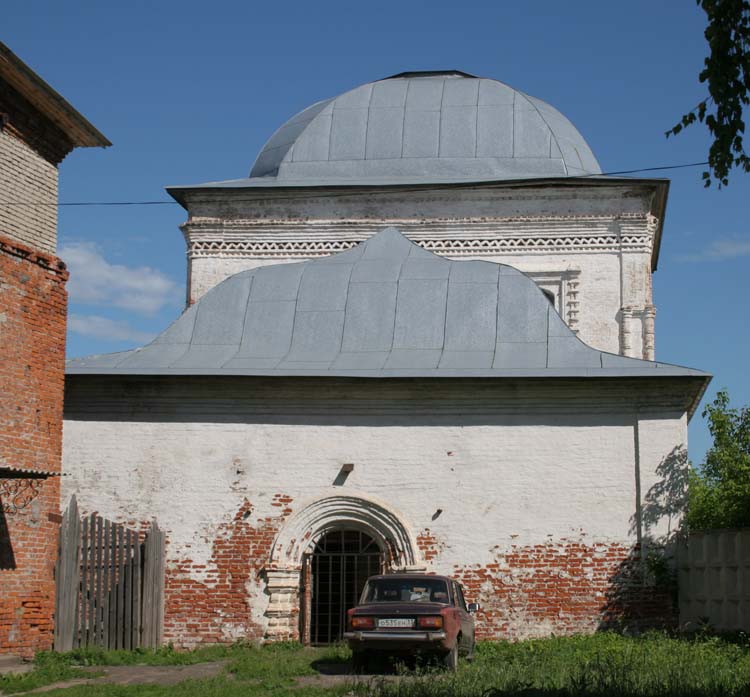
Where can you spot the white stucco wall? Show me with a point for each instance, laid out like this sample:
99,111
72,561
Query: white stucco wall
599,241
510,466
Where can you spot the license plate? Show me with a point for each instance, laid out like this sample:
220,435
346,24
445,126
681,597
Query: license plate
396,622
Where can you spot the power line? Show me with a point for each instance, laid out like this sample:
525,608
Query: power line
649,169
90,203
353,193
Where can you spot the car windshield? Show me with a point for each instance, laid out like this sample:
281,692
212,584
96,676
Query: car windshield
404,590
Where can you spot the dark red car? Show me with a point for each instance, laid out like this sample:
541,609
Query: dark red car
409,614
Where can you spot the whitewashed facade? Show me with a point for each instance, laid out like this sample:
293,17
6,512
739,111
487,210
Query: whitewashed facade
593,246
535,490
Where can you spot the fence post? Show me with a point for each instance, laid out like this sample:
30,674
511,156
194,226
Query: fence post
67,578
153,586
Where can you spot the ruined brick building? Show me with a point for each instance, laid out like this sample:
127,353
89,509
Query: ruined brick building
38,128
420,335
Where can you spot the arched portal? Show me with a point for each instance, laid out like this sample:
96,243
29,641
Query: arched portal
312,522
334,574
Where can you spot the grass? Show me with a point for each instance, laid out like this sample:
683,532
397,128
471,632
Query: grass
45,672
220,686
269,666
602,665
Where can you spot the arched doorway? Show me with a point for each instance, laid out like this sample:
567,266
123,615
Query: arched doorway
288,577
334,574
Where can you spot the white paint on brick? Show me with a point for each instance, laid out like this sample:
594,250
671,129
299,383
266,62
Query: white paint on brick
508,465
26,177
605,235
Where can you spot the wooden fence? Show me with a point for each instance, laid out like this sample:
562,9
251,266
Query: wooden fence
110,584
714,579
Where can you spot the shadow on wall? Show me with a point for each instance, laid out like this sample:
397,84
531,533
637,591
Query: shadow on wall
665,502
641,595
7,558
643,590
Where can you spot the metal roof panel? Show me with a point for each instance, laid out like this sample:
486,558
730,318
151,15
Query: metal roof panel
417,315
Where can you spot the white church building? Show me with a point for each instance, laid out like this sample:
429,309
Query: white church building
420,335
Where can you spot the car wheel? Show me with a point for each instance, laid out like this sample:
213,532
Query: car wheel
450,660
360,662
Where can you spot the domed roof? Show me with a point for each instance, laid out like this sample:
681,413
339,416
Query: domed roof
426,127
385,308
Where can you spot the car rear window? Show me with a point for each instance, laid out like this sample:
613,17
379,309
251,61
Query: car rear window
404,590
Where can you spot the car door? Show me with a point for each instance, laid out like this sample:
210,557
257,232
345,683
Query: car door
467,621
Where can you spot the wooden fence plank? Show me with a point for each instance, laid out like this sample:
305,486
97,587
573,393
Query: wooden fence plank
159,584
145,614
98,589
67,573
120,586
128,592
83,633
113,591
110,584
92,580
152,568
106,560
76,583
137,599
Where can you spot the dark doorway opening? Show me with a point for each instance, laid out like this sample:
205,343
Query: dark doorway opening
334,577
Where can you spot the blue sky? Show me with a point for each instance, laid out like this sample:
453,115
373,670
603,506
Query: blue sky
189,92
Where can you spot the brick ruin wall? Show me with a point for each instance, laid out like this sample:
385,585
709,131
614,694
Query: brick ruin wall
32,335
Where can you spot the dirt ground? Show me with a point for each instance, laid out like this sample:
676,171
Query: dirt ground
330,676
141,675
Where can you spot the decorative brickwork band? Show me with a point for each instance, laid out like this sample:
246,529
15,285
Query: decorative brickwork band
46,261
305,249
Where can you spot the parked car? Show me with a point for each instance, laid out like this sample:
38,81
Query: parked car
411,614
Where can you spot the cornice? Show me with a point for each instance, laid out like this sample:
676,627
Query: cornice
490,237
48,262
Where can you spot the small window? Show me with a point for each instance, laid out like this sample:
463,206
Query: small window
459,596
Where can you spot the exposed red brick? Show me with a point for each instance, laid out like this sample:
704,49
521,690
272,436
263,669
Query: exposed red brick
429,545
210,603
563,587
32,336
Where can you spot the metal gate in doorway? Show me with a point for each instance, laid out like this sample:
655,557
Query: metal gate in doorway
334,576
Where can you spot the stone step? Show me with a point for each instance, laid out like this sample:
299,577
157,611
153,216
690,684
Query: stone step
13,664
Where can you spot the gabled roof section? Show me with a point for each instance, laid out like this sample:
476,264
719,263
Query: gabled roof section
385,308
49,102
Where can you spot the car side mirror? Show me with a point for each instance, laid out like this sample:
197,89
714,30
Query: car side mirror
473,607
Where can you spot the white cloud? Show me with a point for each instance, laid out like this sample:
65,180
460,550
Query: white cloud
94,281
97,327
719,250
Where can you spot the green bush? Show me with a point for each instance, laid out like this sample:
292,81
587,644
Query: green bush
719,490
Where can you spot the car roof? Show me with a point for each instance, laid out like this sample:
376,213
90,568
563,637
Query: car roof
411,577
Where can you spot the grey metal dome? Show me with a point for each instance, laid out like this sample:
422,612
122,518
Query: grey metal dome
426,127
